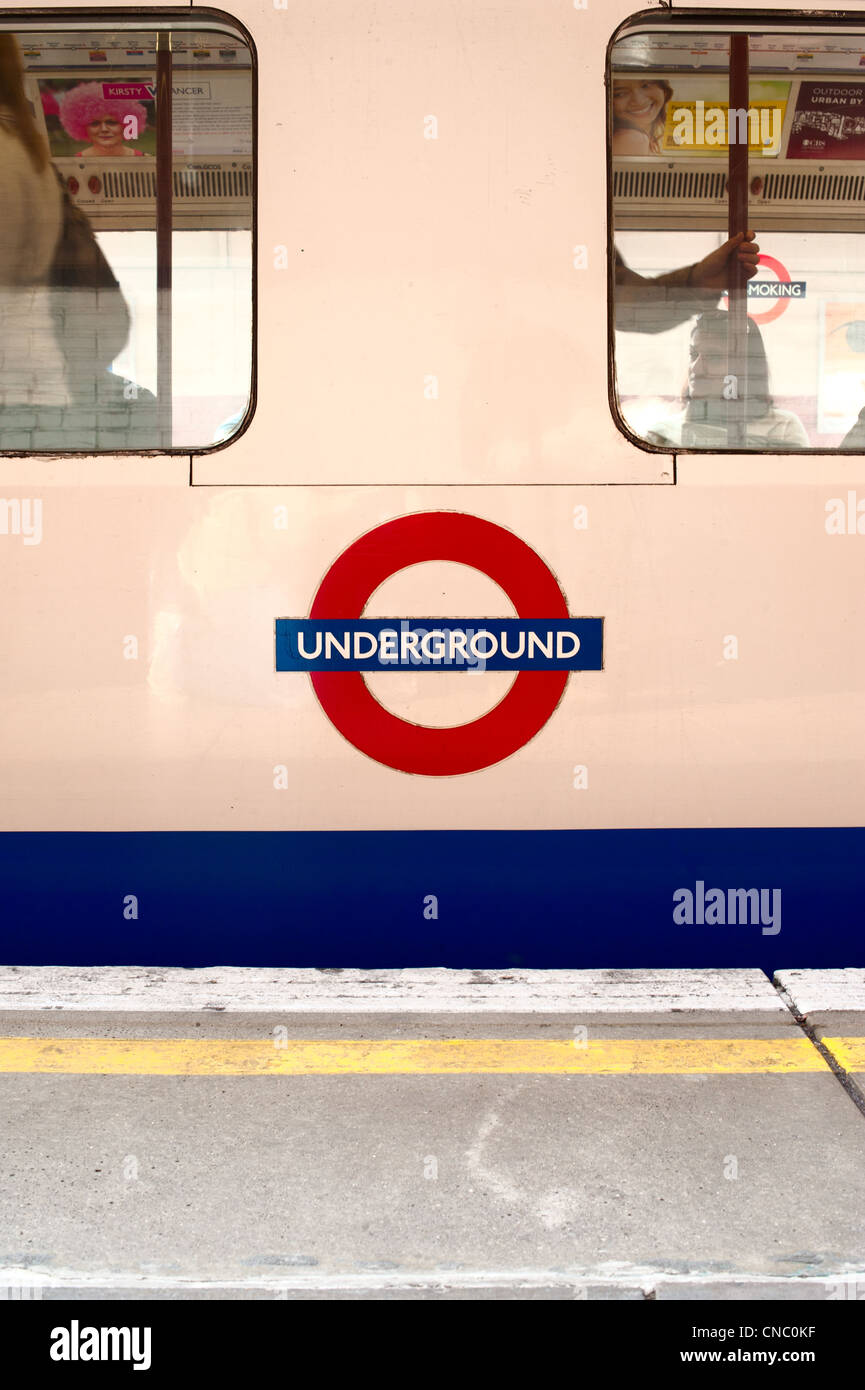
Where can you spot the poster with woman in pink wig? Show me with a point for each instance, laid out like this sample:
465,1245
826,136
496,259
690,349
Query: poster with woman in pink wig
107,119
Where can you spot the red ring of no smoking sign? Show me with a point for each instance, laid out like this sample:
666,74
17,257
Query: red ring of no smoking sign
783,290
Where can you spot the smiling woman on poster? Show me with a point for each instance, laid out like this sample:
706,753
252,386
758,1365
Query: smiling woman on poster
110,125
639,115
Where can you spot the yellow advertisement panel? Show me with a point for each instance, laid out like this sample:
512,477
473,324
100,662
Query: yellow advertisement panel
701,127
663,115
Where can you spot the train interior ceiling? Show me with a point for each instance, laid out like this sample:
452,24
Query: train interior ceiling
668,103
110,171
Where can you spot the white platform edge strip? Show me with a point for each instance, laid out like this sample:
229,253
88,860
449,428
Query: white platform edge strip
138,989
824,991
623,1277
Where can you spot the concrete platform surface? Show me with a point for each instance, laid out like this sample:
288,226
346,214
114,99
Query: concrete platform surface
831,1004
679,1135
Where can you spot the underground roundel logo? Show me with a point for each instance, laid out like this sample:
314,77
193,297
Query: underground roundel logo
336,645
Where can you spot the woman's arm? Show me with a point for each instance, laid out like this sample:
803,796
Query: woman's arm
653,305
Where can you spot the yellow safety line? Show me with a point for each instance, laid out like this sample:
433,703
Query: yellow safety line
423,1056
850,1052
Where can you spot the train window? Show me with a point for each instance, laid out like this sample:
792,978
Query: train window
126,174
722,342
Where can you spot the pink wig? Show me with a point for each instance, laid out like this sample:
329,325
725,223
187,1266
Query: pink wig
85,103
49,102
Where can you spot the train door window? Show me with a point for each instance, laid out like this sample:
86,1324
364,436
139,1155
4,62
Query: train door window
715,130
126,250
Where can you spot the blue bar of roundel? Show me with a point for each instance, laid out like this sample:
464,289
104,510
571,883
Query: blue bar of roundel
290,631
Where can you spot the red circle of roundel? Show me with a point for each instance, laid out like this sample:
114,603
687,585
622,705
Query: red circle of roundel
411,540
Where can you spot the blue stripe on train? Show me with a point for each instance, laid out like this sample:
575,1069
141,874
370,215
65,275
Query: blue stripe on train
333,898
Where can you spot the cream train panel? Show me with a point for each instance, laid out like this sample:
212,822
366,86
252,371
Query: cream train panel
170,796
433,175
185,736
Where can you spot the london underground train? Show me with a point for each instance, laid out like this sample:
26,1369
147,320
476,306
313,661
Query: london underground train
433,484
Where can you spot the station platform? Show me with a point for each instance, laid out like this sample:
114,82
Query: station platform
432,1134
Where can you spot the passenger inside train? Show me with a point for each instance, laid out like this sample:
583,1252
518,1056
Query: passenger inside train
708,395
855,437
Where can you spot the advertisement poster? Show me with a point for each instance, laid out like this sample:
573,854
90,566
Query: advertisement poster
829,121
114,117
211,114
108,118
689,115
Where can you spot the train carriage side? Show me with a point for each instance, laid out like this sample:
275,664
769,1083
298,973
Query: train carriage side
422,543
